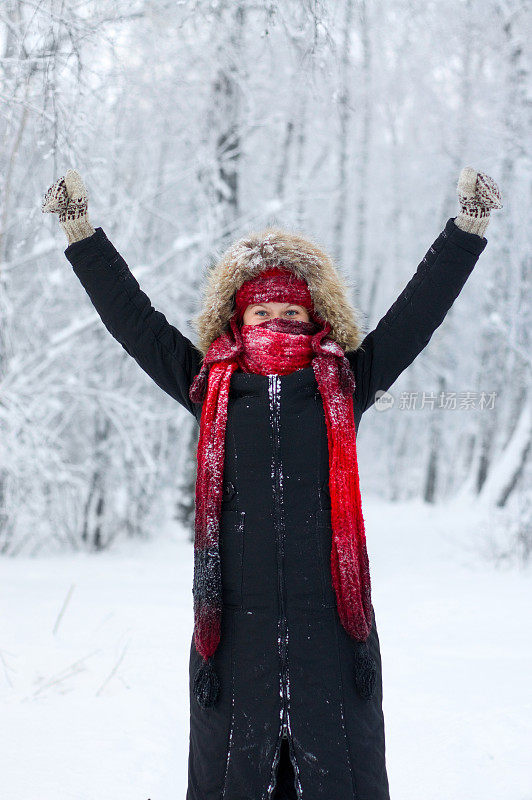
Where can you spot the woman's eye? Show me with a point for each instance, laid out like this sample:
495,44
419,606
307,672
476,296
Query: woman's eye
260,311
292,311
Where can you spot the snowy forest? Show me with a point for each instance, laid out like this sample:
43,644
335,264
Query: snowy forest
194,122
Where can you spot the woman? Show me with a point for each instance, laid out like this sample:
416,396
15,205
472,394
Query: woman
285,669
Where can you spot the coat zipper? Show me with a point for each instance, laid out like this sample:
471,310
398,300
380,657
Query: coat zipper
274,394
274,389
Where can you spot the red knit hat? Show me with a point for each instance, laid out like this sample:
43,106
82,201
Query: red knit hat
274,285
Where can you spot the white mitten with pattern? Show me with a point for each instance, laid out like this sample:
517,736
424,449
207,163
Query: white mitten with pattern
68,198
478,194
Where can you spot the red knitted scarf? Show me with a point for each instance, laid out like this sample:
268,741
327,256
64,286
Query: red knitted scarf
280,346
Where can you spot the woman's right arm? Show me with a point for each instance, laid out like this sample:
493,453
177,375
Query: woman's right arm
168,357
164,353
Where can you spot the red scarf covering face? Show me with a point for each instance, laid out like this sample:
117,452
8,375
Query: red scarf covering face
279,346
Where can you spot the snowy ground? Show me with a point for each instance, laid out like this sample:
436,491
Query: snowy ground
98,709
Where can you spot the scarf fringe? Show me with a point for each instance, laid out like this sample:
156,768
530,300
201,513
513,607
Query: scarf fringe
206,684
365,671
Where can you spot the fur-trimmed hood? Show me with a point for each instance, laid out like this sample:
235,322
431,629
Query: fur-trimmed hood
277,247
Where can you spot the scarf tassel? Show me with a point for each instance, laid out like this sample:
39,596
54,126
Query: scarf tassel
206,684
365,671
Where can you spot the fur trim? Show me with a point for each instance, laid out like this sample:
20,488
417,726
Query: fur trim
277,247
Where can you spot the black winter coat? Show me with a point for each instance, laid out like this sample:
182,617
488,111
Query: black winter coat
284,662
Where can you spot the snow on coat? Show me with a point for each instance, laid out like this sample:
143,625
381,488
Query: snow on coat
285,663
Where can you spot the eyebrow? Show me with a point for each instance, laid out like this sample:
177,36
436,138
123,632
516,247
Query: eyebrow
254,305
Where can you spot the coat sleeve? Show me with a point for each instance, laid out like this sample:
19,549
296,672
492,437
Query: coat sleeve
167,356
421,307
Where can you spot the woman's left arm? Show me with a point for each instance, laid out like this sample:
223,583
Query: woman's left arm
421,307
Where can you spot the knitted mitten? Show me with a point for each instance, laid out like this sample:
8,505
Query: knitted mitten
478,194
68,198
